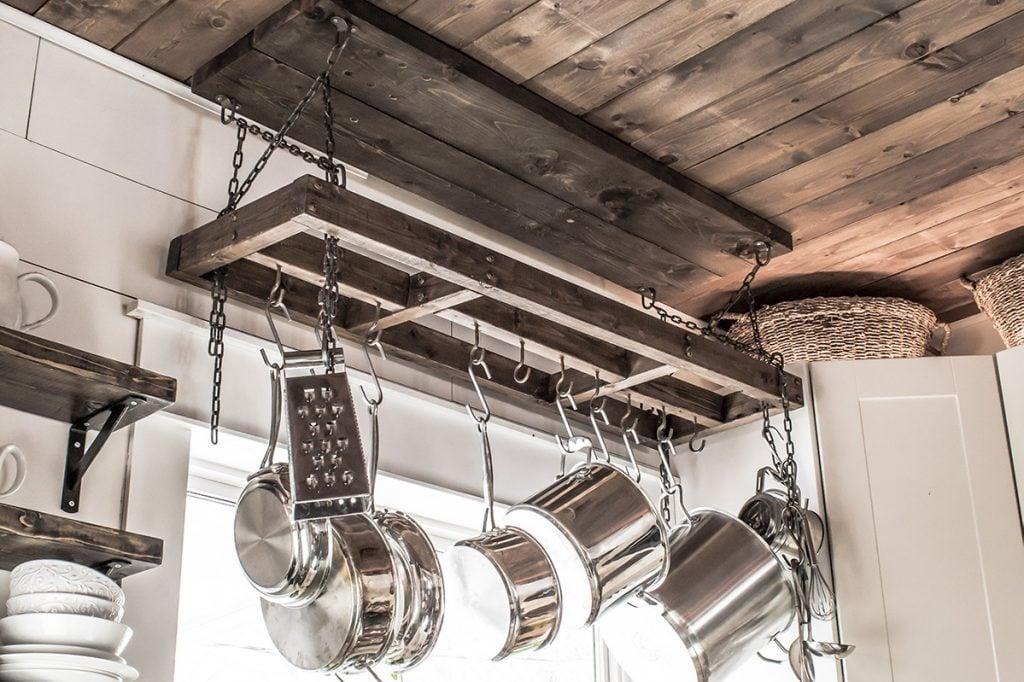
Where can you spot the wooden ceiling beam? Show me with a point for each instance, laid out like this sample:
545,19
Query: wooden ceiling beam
406,73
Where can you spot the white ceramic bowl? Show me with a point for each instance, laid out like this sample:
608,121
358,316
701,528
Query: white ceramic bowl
65,630
63,602
48,575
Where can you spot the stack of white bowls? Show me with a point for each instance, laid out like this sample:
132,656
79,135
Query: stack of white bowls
63,623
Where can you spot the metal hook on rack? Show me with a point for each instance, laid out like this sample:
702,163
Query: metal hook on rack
571,443
521,374
477,359
629,433
669,486
599,410
693,439
275,301
372,338
228,108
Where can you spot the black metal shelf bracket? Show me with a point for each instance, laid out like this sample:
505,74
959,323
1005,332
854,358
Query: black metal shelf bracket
80,457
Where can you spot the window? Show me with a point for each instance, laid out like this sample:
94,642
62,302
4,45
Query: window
220,633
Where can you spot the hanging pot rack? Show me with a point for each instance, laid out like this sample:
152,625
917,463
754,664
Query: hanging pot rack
634,352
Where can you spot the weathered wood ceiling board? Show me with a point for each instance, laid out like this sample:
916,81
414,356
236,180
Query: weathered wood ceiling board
880,136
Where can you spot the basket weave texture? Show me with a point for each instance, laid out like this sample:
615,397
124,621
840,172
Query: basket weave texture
1000,294
842,328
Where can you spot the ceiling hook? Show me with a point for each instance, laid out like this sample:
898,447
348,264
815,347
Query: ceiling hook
228,108
521,374
693,438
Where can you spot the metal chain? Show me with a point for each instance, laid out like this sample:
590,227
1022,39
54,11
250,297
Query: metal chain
328,300
218,322
237,189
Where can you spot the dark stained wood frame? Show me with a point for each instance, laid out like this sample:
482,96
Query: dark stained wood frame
466,282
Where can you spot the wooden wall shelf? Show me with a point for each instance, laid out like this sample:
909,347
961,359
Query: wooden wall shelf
66,384
26,535
87,391
656,363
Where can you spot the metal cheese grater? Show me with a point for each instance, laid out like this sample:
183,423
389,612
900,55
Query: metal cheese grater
329,469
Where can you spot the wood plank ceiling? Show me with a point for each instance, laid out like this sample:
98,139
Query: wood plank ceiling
879,137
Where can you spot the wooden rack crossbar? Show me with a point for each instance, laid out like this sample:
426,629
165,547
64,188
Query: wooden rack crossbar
465,282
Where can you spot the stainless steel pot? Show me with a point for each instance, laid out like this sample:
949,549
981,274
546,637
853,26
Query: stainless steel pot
726,594
768,514
613,528
419,623
528,580
351,625
287,562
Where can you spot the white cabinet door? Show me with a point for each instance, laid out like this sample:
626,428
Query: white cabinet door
1011,384
927,547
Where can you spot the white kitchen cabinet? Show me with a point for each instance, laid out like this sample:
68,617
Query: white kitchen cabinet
924,519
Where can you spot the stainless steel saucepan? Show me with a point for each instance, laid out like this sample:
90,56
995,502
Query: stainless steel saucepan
768,513
504,591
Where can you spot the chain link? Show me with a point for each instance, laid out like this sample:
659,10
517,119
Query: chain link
328,300
218,322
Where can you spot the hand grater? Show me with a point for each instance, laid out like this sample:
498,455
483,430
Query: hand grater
329,472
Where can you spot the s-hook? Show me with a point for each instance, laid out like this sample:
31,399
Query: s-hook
597,410
275,301
669,486
692,444
629,433
521,374
477,359
572,443
372,338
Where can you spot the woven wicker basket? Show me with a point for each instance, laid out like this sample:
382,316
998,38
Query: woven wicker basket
1000,294
843,328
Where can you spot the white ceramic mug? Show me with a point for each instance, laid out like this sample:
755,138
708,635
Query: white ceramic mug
20,468
10,291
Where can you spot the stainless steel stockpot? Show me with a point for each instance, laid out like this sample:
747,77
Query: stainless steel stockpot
287,562
768,514
351,625
419,623
612,526
529,581
726,594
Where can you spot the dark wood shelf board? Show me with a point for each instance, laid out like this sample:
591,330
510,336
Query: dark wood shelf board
59,382
26,535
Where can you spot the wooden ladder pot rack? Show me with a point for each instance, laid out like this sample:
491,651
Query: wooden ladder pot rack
464,282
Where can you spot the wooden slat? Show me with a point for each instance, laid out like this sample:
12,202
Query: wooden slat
460,23
921,175
551,30
669,35
921,83
909,137
189,33
63,383
301,256
863,57
410,75
397,153
27,535
105,23
427,295
393,6
782,38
